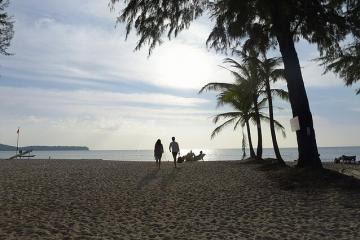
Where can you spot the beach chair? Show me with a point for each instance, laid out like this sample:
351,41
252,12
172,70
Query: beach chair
349,159
345,159
199,157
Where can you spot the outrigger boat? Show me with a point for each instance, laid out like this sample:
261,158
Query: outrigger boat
21,154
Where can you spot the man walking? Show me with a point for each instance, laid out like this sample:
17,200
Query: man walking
174,148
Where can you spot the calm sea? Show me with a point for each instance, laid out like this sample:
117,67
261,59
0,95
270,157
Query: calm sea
289,154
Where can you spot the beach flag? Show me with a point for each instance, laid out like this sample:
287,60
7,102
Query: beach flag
18,131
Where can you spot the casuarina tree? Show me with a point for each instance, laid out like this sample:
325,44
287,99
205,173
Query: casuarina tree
279,23
345,63
344,59
6,28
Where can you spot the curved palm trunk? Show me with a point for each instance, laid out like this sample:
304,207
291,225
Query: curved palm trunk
272,127
259,149
252,152
307,147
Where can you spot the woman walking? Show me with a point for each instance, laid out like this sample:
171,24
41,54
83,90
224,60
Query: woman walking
158,151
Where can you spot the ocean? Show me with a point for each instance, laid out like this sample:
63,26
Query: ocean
289,154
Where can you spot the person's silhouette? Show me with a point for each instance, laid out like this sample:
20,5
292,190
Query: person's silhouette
158,151
174,148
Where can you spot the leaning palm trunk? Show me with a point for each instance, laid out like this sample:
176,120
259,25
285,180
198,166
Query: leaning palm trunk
259,149
272,126
252,152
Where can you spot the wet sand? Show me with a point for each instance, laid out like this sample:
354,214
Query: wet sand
92,199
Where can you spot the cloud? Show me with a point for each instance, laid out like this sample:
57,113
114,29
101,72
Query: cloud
332,132
99,119
50,49
313,75
33,98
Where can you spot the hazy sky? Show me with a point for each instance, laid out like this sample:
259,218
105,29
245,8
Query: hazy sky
74,81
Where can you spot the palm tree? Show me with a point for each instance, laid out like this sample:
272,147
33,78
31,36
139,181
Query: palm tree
269,73
243,114
258,74
255,76
247,76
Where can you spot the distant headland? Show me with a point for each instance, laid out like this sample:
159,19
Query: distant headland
4,147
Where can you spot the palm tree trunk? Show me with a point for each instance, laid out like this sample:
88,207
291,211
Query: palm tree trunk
252,152
259,149
307,147
272,127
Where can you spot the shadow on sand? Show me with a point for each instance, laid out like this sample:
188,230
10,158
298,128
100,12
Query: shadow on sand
147,179
167,179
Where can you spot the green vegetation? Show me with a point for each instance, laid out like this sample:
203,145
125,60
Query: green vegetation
345,62
269,73
248,96
6,28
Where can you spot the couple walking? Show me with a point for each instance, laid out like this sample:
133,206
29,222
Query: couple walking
158,151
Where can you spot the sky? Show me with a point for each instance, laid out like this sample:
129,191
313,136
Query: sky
74,80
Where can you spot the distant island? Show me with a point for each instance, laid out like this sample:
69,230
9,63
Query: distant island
4,147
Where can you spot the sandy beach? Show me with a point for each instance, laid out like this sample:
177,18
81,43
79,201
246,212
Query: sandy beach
93,199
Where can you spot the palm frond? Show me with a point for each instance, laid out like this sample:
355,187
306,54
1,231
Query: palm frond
281,93
277,124
277,74
241,122
238,77
225,115
216,86
262,103
244,70
221,127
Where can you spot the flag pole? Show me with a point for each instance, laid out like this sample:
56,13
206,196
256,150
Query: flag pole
17,141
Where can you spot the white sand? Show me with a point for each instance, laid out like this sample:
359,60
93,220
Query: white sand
61,199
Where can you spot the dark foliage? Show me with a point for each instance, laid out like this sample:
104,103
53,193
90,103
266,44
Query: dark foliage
345,60
6,28
154,18
345,63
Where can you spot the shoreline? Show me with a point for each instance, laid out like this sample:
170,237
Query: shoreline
327,154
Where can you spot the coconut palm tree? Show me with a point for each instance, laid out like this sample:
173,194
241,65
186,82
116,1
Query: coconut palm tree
255,76
269,73
259,74
243,114
247,76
